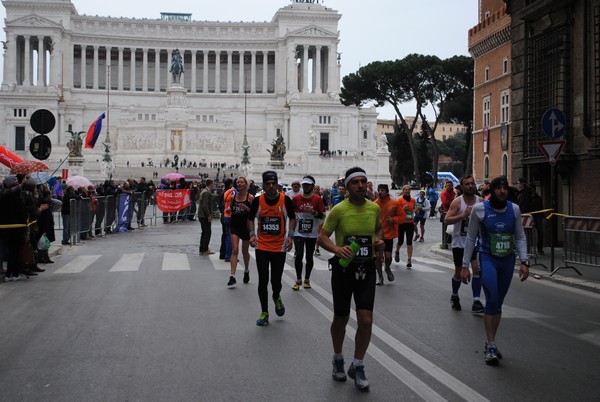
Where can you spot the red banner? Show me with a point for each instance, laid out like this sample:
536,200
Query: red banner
172,200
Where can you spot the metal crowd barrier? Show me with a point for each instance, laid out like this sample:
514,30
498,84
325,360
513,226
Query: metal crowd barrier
581,242
531,236
89,219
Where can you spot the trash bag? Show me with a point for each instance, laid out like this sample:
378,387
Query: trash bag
43,243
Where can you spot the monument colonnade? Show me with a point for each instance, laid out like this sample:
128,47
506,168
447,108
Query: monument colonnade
310,68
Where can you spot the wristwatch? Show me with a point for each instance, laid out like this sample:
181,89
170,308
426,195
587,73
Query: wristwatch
526,263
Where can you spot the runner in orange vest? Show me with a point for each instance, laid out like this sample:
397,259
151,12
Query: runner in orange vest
406,213
389,223
275,213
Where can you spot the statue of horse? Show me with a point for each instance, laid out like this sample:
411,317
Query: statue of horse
176,66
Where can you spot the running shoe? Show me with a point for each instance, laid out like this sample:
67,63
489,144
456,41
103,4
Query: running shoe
296,285
246,276
8,279
357,373
279,307
416,238
21,277
380,281
263,319
409,264
491,356
421,240
455,302
338,373
307,284
231,282
477,307
397,256
390,274
317,252
497,351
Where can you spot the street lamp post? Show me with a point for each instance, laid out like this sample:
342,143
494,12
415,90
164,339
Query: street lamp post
108,166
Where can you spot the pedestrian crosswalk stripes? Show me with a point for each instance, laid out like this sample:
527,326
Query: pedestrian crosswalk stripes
175,262
133,262
78,264
128,262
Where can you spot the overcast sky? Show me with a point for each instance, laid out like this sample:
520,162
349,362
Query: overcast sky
370,31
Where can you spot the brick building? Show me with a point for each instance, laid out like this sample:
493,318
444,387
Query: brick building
489,45
556,64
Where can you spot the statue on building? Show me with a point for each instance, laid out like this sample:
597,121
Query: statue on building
176,66
75,143
382,143
278,151
313,139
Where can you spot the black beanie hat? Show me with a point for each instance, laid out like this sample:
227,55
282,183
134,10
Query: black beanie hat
383,186
269,175
499,181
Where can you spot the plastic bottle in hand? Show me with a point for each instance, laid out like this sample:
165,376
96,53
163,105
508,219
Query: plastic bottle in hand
344,262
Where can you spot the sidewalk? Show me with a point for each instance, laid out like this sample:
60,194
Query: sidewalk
588,280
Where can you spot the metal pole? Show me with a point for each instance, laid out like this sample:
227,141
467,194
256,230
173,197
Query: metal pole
554,221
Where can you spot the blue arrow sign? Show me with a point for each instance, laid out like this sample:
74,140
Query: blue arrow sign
554,123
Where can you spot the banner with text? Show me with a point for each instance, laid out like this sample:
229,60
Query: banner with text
172,200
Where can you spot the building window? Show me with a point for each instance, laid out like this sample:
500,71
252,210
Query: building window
504,106
324,143
486,168
324,119
20,138
487,73
505,165
139,116
20,112
505,65
365,135
486,111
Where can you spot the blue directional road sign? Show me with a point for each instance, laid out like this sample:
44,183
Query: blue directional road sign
554,123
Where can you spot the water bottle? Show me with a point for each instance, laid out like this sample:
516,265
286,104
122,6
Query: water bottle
344,262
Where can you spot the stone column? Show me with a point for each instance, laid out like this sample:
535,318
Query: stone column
132,69
253,72
217,71
305,69
120,67
169,76
265,72
55,65
27,61
95,67
145,70
317,76
156,70
331,68
205,71
291,76
242,86
83,67
193,72
10,57
40,67
108,63
229,71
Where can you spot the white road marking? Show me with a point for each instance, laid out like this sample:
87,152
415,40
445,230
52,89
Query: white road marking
128,262
175,262
78,264
431,261
412,381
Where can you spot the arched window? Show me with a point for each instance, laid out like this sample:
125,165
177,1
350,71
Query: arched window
486,167
505,165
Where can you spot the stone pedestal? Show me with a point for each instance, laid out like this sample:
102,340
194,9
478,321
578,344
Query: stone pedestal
276,164
75,164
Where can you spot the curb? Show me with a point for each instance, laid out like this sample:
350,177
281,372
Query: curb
538,274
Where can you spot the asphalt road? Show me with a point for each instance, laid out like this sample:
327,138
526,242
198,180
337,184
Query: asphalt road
141,316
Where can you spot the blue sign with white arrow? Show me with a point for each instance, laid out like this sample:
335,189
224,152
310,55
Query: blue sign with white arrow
554,123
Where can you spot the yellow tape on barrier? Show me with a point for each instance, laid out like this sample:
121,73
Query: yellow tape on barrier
17,225
557,214
541,211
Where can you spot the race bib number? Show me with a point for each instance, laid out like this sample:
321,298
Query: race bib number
501,244
305,225
270,225
365,252
464,226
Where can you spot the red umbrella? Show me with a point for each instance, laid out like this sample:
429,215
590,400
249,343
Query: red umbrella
27,167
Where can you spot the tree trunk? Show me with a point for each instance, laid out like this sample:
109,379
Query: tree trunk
409,133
